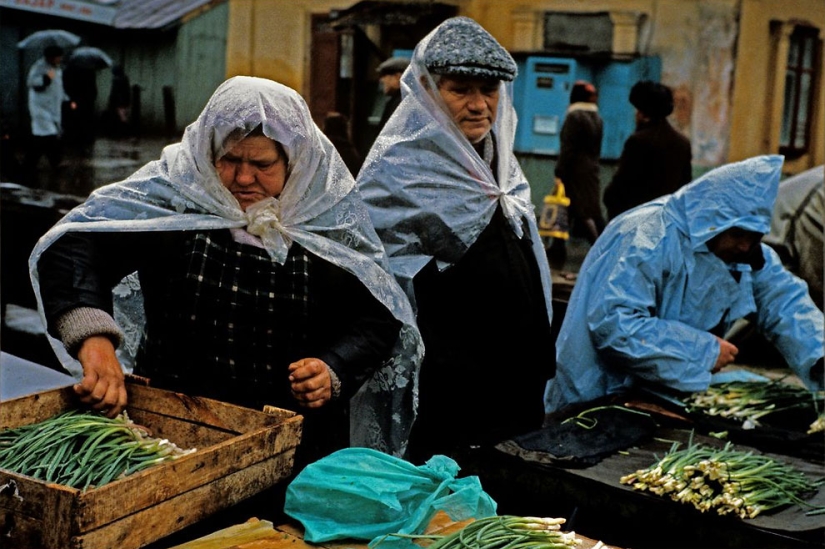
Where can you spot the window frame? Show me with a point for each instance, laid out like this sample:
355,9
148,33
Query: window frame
795,143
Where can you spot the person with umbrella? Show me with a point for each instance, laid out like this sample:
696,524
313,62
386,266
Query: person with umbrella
45,102
80,83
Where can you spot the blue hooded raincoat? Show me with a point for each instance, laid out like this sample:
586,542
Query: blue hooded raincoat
650,291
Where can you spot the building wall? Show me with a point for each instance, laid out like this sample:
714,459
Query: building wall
200,62
273,42
757,93
715,56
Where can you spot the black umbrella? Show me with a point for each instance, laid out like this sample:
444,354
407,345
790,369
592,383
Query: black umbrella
49,37
88,57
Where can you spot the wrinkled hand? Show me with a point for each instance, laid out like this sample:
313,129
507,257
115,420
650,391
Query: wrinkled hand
310,382
727,354
103,386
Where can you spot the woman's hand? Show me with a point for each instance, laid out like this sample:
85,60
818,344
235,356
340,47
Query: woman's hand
103,386
310,381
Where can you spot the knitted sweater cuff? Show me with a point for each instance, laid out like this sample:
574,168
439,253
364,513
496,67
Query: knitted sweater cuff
77,325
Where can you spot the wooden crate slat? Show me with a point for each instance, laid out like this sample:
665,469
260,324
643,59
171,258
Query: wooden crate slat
136,530
220,415
35,408
240,452
183,433
25,495
184,474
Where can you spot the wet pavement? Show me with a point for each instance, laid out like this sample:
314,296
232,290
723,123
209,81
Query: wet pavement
106,160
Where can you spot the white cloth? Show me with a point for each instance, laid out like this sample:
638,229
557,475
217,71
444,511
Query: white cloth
45,107
319,208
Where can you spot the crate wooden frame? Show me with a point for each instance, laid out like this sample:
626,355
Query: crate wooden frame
240,452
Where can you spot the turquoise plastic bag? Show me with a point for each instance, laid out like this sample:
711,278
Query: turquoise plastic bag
363,494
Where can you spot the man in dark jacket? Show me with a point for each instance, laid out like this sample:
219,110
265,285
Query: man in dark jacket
656,158
389,74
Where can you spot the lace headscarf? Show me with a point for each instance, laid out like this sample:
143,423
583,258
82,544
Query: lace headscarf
319,208
429,192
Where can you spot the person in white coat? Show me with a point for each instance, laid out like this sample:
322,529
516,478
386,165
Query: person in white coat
45,100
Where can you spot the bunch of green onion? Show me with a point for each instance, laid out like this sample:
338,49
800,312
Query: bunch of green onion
749,401
83,449
726,480
504,531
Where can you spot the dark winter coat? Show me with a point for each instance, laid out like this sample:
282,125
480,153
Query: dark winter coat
578,164
655,161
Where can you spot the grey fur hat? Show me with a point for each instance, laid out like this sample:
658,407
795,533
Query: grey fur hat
393,65
462,46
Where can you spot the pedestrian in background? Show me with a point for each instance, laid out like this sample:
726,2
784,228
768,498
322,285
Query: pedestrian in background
453,209
656,158
578,163
80,84
389,74
120,99
45,100
336,129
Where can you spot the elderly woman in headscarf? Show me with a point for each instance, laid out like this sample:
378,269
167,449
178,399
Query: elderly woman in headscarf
453,209
261,277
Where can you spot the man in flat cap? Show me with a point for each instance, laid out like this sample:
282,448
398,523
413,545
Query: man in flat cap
656,158
453,210
389,74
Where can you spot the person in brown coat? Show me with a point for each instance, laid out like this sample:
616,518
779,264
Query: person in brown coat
578,164
656,158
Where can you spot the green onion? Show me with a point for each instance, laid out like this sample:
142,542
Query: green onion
725,480
749,401
83,449
501,532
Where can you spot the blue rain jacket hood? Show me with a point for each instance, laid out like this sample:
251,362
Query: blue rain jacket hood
650,291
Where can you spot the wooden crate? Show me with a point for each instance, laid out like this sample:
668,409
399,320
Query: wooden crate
240,452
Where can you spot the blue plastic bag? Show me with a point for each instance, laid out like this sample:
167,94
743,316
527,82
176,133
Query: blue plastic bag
359,493
729,376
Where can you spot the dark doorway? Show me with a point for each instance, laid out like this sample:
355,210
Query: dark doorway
347,46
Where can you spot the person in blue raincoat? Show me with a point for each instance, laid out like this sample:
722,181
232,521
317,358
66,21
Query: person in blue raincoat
664,282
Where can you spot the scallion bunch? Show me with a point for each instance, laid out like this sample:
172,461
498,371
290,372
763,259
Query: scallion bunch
83,449
504,531
725,480
750,401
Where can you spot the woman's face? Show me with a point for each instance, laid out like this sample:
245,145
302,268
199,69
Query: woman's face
252,170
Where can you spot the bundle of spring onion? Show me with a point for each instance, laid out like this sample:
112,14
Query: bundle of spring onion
83,449
726,480
749,401
504,531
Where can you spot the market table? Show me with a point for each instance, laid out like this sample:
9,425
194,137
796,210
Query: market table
256,534
598,505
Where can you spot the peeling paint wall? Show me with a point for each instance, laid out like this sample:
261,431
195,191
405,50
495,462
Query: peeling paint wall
715,56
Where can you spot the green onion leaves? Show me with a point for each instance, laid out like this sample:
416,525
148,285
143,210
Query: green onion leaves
83,449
